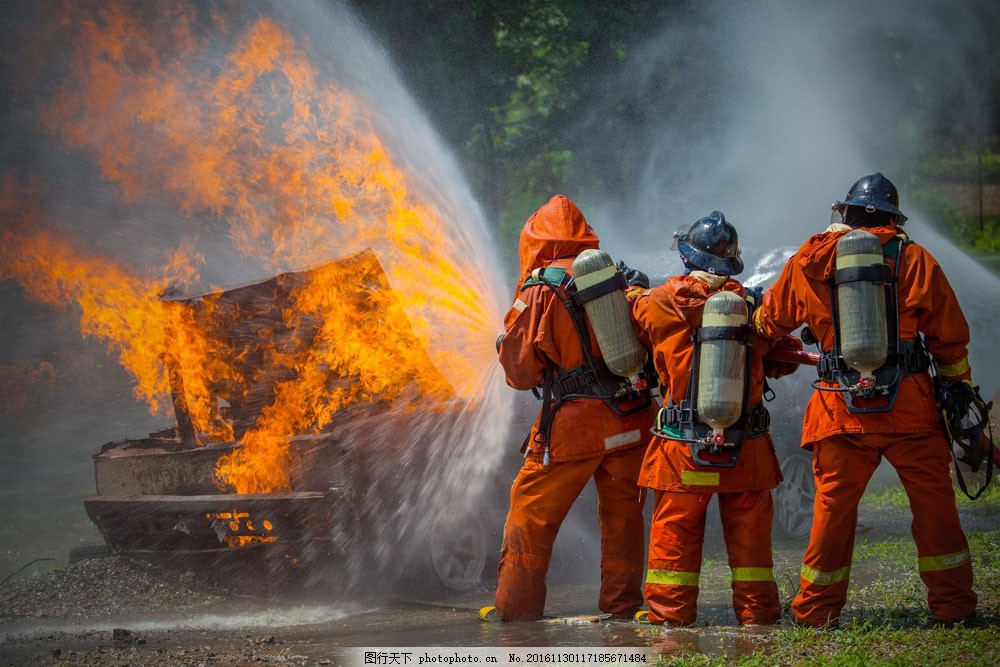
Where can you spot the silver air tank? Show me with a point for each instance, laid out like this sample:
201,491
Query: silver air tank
864,342
722,365
609,316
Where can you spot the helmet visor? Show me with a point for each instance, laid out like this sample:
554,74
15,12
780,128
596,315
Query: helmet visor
680,235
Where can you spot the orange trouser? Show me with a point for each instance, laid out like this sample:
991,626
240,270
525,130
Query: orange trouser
540,498
676,537
843,464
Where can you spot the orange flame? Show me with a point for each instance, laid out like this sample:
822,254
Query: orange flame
294,165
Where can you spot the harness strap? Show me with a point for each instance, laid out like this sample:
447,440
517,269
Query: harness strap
741,333
549,276
912,359
545,418
875,273
615,283
676,421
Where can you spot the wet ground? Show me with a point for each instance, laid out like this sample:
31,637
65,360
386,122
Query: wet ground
102,614
316,633
295,629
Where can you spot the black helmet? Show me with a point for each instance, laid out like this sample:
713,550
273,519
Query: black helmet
711,244
873,193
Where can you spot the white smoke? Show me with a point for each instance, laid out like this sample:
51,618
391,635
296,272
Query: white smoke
769,111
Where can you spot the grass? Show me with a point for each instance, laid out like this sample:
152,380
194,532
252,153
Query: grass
886,620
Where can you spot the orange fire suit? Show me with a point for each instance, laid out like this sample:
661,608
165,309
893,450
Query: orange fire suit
847,447
664,318
587,439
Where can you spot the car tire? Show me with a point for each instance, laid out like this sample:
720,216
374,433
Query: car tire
458,553
794,496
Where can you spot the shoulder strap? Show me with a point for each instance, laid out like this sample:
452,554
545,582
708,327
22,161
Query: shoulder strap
551,275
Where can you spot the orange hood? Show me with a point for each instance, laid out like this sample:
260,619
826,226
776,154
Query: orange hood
556,230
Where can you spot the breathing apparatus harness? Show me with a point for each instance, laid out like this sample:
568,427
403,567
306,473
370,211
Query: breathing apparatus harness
904,358
680,422
592,378
966,420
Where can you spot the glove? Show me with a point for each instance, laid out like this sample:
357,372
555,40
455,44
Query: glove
499,341
632,277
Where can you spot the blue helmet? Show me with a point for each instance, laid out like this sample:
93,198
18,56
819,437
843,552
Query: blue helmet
711,244
874,193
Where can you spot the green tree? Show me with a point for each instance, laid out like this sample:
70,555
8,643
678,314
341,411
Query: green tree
503,82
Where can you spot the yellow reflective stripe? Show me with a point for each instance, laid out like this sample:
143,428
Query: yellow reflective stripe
957,368
757,324
696,478
672,577
753,574
825,578
946,562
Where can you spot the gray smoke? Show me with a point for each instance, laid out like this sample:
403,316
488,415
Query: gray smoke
769,111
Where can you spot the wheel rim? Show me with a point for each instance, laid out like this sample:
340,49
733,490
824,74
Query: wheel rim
794,496
458,554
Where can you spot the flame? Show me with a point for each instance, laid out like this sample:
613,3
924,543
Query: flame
257,139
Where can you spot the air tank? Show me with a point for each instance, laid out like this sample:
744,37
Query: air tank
609,316
722,365
864,342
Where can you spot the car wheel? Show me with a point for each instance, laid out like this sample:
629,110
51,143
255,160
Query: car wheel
458,554
793,498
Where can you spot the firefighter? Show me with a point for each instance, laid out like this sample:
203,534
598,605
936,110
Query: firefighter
683,464
581,432
857,415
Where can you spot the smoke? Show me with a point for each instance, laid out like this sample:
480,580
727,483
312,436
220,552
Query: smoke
769,111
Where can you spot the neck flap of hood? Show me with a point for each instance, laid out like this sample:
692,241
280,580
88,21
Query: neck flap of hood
556,230
690,294
818,257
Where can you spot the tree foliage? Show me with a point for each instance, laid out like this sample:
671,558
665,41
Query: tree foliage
503,80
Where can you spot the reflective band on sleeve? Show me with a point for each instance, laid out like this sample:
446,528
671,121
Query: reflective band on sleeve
946,562
696,478
626,438
672,577
757,325
825,578
954,369
753,574
519,305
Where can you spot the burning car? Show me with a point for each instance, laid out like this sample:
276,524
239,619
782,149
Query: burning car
284,454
